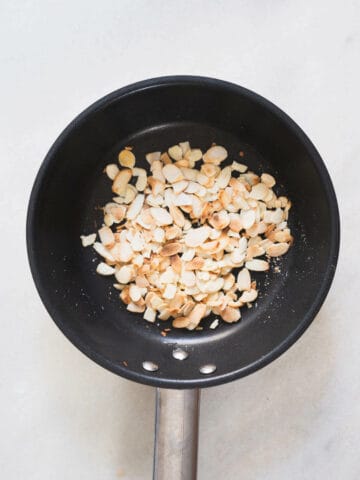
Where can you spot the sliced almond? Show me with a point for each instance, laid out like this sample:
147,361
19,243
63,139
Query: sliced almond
175,152
238,167
268,180
215,155
181,322
230,315
224,177
249,296
132,307
196,236
125,274
88,240
247,218
149,315
161,216
111,170
106,236
170,291
121,181
171,249
103,251
176,263
152,157
105,269
196,315
254,251
179,187
277,249
134,292
135,207
220,220
193,155
126,158
185,147
257,265
195,264
243,281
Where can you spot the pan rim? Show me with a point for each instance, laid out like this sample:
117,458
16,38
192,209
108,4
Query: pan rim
215,379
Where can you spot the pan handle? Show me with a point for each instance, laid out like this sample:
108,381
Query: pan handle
176,434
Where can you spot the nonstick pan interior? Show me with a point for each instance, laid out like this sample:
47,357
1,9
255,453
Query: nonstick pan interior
71,187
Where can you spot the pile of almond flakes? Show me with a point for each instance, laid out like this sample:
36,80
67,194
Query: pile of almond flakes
173,238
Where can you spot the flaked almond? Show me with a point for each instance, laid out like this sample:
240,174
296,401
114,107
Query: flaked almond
135,207
149,315
257,265
176,263
106,236
121,181
179,187
175,152
210,170
238,167
243,281
249,296
224,177
195,264
196,236
103,251
185,147
105,269
125,274
171,249
88,240
254,251
170,291
220,220
134,292
188,278
181,322
259,191
157,186
161,216
111,170
172,173
196,315
152,157
268,180
277,249
126,158
193,155
215,155
133,307
183,200
230,315
247,218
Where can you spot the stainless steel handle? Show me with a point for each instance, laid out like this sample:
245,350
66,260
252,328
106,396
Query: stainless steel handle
176,434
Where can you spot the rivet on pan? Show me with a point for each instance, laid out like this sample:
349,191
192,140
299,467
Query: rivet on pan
180,354
207,369
150,366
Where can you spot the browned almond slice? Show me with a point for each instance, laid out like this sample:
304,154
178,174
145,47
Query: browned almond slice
171,249
175,152
181,322
126,158
195,264
277,249
176,263
254,251
193,155
224,177
215,155
152,157
220,220
196,315
121,181
230,315
106,236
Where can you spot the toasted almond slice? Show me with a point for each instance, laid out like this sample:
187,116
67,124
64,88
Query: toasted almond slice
210,170
126,158
247,218
132,307
185,147
183,200
108,219
141,183
177,216
111,170
195,264
196,236
196,315
210,247
183,163
134,292
277,249
176,263
149,315
121,181
268,180
181,322
125,274
229,281
188,255
193,155
173,232
220,220
161,216
88,240
175,152
238,167
103,251
157,187
135,207
224,177
179,187
106,236
259,191
170,291
171,249
230,315
105,269
188,278
201,178
189,174
152,157
243,280
215,155
237,256
249,296
257,265
254,251
172,173
124,252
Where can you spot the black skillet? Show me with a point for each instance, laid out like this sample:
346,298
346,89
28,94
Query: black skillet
69,188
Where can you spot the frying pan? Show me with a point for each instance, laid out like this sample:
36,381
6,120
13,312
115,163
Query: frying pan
70,187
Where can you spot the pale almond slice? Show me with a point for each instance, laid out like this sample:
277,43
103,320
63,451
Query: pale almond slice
281,236
179,187
235,222
210,286
170,291
249,296
196,236
277,249
243,281
193,155
134,292
103,251
268,180
224,177
195,264
188,278
247,218
106,236
154,200
238,167
230,315
141,182
259,191
183,200
181,322
220,220
210,170
254,251
201,178
214,324
197,207
105,269
215,155
152,157
177,216
237,257
173,232
171,249
175,152
135,207
229,282
188,255
124,252
159,234
121,181
88,240
108,219
149,315
157,186
111,170
126,158
161,216
125,274
138,242
185,147
257,265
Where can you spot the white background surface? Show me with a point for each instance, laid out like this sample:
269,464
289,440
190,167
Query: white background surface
63,417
